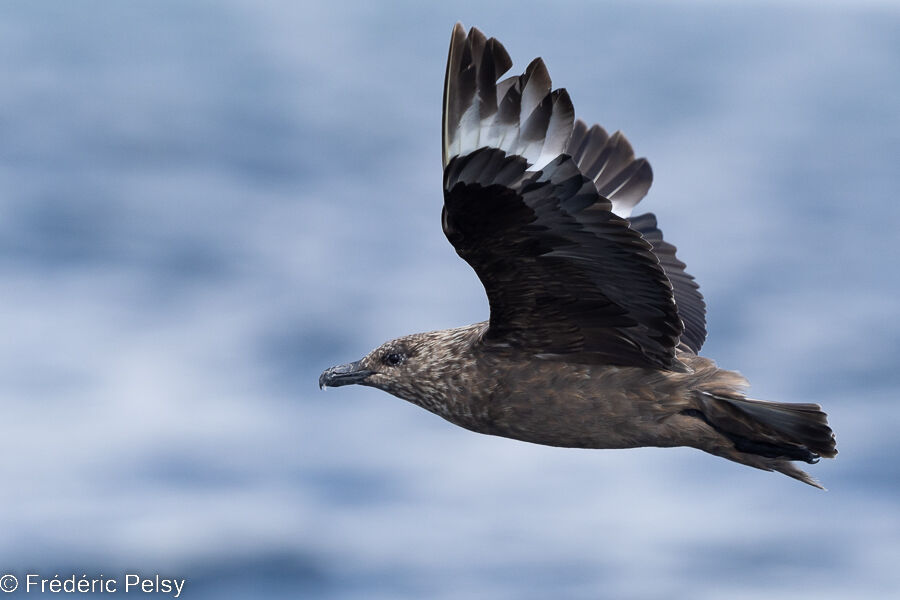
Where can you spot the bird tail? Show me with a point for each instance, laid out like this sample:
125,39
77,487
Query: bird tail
768,435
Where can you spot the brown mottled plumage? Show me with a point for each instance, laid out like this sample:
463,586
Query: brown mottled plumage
595,325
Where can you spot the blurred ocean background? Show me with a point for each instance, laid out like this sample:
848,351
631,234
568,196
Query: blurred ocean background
205,204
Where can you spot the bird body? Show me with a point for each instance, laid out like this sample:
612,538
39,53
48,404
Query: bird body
506,392
595,326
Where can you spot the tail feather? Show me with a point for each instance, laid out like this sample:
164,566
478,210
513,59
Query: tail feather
768,435
805,424
787,468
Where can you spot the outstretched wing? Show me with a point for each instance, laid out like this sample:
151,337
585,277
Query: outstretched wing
534,202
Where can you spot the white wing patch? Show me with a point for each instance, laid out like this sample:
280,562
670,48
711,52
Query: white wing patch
522,115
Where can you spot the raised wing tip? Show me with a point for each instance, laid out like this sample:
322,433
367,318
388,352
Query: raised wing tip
562,95
524,115
538,69
501,57
454,56
477,37
645,166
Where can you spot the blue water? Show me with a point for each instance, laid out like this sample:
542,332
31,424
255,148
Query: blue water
205,204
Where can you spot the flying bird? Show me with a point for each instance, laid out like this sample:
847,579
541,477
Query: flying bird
595,326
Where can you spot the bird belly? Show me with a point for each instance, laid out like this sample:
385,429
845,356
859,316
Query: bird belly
579,421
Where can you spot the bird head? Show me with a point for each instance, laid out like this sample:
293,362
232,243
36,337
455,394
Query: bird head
383,368
423,368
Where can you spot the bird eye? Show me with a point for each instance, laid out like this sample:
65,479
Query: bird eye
394,358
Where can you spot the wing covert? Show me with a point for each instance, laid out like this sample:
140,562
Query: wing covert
564,278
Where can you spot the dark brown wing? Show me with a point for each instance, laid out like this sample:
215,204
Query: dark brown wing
688,299
575,283
562,281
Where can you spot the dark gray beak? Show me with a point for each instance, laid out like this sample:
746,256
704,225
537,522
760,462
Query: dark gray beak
343,375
